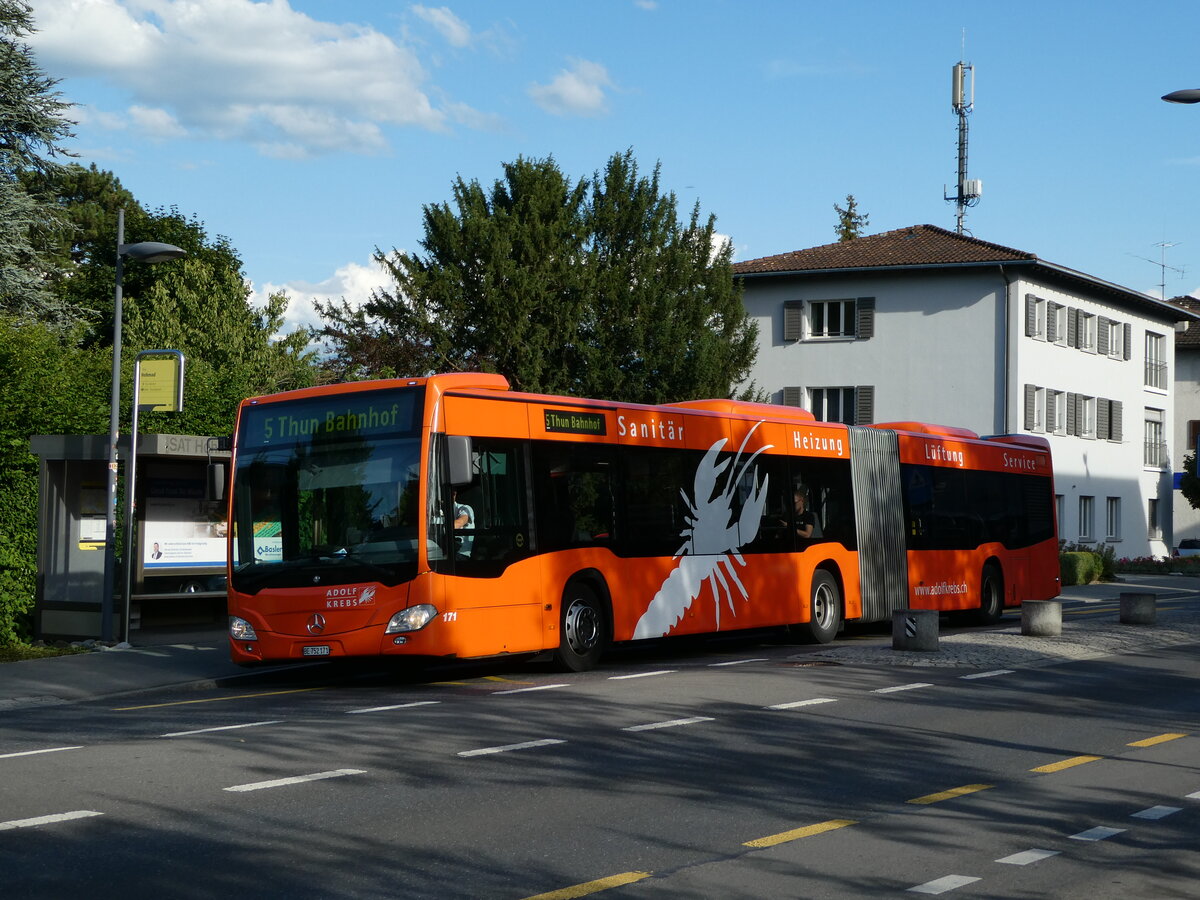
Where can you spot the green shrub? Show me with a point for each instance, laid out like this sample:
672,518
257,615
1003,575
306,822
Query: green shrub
1079,567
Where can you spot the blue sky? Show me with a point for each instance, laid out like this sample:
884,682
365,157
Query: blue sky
310,132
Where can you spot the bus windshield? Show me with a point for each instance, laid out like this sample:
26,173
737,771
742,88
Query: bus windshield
327,488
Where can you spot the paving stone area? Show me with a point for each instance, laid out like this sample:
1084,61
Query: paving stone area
1087,636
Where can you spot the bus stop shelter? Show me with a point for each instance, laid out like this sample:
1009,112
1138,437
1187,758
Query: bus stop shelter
179,543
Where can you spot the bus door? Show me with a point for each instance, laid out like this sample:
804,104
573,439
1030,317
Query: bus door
483,537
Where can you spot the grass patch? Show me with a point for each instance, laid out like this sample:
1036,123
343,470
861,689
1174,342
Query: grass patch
18,652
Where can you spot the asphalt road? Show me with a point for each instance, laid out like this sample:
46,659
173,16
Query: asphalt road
738,769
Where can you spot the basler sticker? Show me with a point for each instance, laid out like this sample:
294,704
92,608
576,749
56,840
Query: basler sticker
710,549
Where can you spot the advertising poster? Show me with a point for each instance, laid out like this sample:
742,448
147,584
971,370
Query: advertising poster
183,532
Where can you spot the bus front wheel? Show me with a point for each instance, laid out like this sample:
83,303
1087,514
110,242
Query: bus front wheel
991,596
583,631
825,609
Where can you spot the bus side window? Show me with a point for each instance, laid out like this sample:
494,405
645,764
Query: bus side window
575,495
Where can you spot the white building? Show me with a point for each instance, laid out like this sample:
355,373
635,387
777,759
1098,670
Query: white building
923,324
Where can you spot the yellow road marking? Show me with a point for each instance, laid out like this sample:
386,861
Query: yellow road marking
953,792
796,833
591,887
216,699
1151,741
1066,764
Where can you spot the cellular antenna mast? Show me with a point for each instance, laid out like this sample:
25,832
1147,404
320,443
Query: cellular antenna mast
962,93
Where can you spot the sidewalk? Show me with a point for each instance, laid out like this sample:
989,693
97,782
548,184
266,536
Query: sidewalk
199,656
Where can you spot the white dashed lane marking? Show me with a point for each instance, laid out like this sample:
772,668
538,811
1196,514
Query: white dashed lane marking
670,723
524,745
48,820
902,687
796,704
296,779
1028,857
942,885
36,752
221,728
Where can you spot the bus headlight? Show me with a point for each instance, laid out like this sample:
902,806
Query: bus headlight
412,619
241,630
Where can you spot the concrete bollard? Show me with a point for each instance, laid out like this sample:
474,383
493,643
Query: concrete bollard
1138,609
915,629
1041,618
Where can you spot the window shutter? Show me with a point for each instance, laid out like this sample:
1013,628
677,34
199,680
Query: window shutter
1030,407
1102,418
1115,421
1052,321
1030,315
866,318
793,396
1102,335
1128,338
1072,327
793,318
1072,413
864,404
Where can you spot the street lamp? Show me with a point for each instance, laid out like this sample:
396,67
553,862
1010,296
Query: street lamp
148,252
1188,95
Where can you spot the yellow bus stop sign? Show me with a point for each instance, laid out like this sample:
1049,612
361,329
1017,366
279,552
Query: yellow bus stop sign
158,384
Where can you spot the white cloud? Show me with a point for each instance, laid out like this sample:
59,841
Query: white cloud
156,123
259,72
578,91
353,282
455,31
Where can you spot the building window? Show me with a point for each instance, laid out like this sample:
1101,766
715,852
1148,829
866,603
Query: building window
1156,361
833,404
1056,412
1056,326
1154,531
1116,339
1087,417
1087,332
1155,454
1039,410
1112,519
1087,512
832,319
1060,510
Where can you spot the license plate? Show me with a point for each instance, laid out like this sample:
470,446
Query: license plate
314,651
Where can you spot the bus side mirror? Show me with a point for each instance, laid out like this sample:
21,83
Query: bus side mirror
458,449
216,481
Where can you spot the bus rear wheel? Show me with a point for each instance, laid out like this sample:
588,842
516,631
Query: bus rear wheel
825,609
583,629
991,596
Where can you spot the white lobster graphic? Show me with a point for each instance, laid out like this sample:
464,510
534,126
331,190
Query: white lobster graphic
713,541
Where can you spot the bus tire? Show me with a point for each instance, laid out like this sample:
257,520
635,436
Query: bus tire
583,629
991,595
825,608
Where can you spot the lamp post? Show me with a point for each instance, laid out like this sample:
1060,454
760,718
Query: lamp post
148,252
1188,95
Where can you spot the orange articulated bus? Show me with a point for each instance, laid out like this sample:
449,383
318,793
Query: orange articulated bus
451,517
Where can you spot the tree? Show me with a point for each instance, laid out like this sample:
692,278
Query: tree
851,223
1189,483
32,125
593,288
